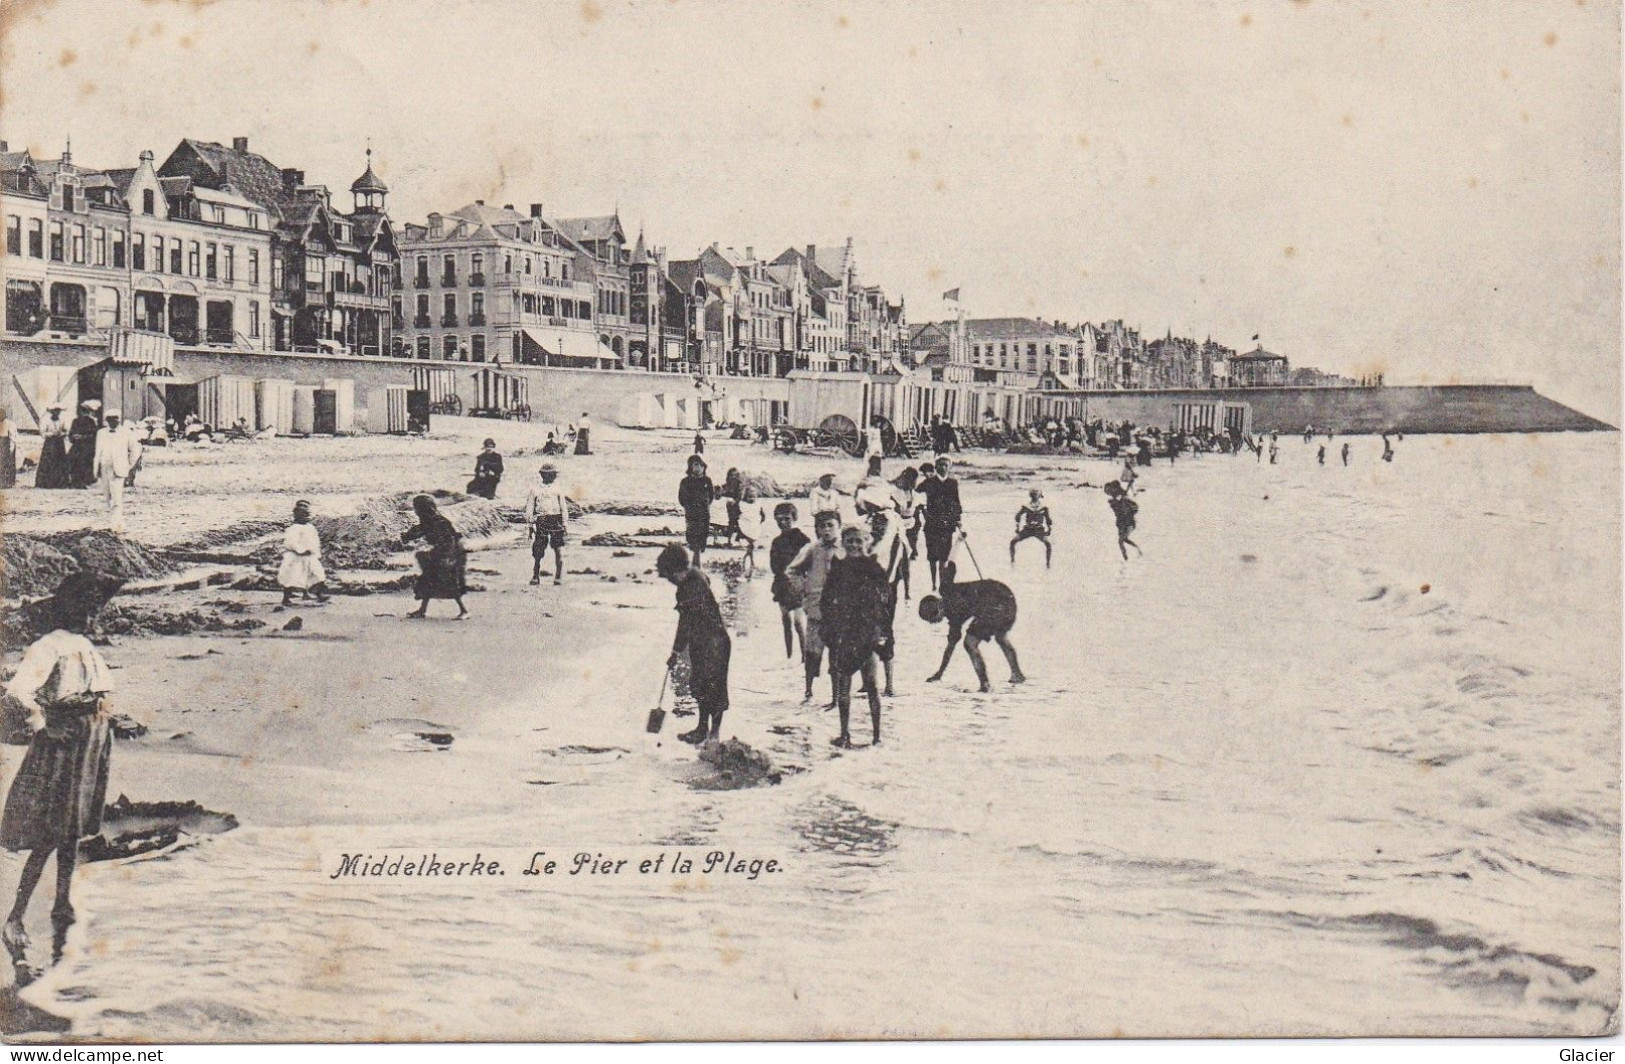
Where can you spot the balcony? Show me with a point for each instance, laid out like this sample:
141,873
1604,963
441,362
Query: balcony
476,319
73,324
476,280
422,321
448,320
448,280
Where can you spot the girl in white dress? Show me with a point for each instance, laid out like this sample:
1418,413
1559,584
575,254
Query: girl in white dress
302,558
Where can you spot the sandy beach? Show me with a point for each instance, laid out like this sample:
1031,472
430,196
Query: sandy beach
1307,767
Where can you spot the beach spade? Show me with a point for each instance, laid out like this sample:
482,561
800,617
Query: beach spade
657,716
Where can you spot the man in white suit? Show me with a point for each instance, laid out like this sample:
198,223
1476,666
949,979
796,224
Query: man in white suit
117,451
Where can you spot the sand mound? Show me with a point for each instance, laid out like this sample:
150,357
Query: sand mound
737,765
366,538
130,829
32,566
119,619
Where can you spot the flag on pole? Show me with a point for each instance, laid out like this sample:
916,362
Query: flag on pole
952,295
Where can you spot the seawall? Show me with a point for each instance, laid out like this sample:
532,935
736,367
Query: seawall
561,395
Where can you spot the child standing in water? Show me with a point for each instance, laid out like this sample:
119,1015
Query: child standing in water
57,797
855,626
694,495
812,565
301,568
1033,522
787,589
1124,509
702,634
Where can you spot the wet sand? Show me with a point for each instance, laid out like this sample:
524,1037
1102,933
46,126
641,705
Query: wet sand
1262,764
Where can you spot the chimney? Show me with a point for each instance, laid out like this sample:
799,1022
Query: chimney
507,206
479,203
292,179
750,253
146,157
535,210
239,144
4,146
812,251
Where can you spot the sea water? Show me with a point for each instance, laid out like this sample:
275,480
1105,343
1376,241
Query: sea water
1337,755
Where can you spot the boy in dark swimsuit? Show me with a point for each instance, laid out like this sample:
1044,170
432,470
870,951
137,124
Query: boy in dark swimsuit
1033,522
978,610
787,590
854,625
1124,509
703,635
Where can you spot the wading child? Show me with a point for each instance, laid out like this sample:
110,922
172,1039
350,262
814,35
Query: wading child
301,568
787,590
57,796
978,610
1124,509
890,552
942,515
694,495
855,626
703,636
1033,522
548,516
812,565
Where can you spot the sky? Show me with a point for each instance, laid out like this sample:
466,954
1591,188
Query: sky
1429,190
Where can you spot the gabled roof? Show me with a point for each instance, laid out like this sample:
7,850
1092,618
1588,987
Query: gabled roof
817,277
594,229
247,172
368,181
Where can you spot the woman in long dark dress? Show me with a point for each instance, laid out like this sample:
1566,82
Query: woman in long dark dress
487,472
82,448
57,798
53,455
442,567
694,494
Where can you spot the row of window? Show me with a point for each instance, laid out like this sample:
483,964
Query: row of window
454,349
79,244
214,212
97,246
612,301
476,268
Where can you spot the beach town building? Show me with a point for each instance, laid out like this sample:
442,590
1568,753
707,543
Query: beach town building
489,284
1022,352
658,311
69,276
604,238
200,260
1258,368
332,273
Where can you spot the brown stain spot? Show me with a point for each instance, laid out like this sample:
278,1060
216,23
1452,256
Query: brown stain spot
1083,140
67,57
1290,252
914,155
817,103
1523,116
1506,75
731,956
1550,39
1426,588
87,89
313,47
590,12
1472,182
1151,181
941,186
1246,20
933,275
1348,121
841,23
185,42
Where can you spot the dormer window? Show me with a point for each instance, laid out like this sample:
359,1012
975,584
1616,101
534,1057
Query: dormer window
147,204
67,197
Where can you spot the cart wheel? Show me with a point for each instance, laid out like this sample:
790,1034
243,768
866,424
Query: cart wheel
890,442
454,406
841,431
786,440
